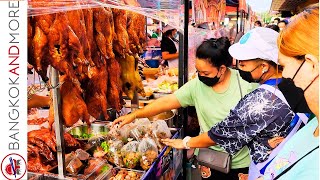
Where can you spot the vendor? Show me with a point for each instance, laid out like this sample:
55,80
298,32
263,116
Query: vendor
156,34
263,118
214,93
170,46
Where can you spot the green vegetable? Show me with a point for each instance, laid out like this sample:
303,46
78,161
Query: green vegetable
104,168
105,146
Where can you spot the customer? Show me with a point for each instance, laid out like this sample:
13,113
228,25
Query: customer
214,93
169,47
299,55
276,21
282,24
274,27
261,120
257,24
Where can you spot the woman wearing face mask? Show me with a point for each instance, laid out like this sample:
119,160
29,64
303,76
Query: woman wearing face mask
261,120
213,93
169,46
299,55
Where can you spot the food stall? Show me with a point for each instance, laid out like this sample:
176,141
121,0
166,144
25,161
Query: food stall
91,52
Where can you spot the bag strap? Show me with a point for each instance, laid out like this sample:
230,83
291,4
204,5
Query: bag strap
279,94
291,166
239,85
261,166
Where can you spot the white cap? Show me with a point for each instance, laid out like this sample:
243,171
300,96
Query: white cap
259,43
167,28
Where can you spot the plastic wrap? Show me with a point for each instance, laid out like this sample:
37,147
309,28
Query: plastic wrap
130,154
142,129
168,11
149,152
82,155
114,152
74,166
160,130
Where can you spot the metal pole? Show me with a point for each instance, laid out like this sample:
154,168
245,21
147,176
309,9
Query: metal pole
58,123
135,102
183,77
237,19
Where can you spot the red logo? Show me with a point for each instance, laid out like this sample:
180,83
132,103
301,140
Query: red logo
13,166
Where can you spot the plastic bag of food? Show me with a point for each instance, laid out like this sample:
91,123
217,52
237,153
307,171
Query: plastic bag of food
113,148
130,154
95,141
160,130
149,151
74,166
142,129
125,132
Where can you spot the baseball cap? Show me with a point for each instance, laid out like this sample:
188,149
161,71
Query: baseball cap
167,28
259,43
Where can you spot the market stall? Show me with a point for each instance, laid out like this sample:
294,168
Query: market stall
92,50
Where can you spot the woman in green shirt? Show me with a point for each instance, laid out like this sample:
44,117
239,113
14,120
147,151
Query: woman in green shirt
217,86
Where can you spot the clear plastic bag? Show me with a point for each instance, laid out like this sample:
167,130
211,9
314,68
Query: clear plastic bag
149,151
130,154
125,132
114,152
160,130
142,129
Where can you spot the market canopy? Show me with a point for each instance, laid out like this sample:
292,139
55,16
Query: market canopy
168,11
285,5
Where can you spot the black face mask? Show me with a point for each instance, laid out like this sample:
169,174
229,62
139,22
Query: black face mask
294,95
247,76
209,81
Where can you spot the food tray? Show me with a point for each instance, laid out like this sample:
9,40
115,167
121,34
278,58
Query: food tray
116,169
83,132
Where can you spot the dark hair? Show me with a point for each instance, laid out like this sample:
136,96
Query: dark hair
284,21
274,27
216,51
278,19
258,22
169,32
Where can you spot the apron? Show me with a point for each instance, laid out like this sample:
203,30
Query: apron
174,63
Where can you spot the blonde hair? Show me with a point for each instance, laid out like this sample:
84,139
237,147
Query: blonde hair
301,36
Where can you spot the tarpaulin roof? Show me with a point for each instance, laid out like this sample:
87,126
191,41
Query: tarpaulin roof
285,5
168,11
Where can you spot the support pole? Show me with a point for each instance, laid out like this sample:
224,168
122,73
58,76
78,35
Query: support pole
135,102
58,123
183,76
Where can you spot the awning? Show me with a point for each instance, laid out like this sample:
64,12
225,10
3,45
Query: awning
285,5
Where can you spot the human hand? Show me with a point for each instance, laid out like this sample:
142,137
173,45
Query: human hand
274,142
175,143
123,120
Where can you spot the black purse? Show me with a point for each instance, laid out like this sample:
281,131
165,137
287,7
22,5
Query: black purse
219,161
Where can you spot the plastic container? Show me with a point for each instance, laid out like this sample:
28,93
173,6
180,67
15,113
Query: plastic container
83,132
98,173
